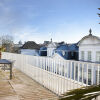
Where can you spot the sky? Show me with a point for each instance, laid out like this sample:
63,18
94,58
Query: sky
41,20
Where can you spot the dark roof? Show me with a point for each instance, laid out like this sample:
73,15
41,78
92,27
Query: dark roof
62,47
70,47
73,47
30,45
70,44
43,48
61,43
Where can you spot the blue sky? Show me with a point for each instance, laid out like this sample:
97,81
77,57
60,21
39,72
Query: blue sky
39,20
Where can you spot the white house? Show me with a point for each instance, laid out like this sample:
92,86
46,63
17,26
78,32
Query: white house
30,48
51,48
89,48
29,52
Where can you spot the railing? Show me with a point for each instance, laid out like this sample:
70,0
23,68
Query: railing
58,75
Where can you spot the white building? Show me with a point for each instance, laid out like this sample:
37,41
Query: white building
30,48
51,49
89,48
29,52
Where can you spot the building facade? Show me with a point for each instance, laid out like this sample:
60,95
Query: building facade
51,49
30,48
89,48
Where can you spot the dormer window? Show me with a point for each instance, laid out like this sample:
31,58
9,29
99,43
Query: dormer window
63,53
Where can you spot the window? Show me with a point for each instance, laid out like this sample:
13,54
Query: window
89,76
98,56
63,53
89,55
82,55
72,53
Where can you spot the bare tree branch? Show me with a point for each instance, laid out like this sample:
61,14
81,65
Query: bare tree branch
98,13
7,42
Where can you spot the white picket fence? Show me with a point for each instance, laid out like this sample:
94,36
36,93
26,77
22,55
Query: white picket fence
58,75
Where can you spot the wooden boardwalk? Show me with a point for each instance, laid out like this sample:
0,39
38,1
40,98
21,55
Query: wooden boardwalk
22,87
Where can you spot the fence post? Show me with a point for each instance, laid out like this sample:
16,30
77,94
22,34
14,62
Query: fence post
92,74
87,75
98,76
78,73
82,74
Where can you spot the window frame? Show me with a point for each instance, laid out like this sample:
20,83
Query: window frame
97,60
82,55
89,56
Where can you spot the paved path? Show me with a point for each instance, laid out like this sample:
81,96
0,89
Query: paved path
21,87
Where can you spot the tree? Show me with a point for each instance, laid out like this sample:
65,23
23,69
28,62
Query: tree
6,39
20,42
99,13
85,93
7,42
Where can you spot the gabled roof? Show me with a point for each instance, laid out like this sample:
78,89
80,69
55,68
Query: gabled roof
31,45
88,36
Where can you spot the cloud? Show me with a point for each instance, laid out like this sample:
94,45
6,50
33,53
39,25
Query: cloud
6,14
16,19
26,34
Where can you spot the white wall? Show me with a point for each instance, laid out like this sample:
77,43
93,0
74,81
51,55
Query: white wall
50,49
34,67
87,48
29,52
89,44
50,52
